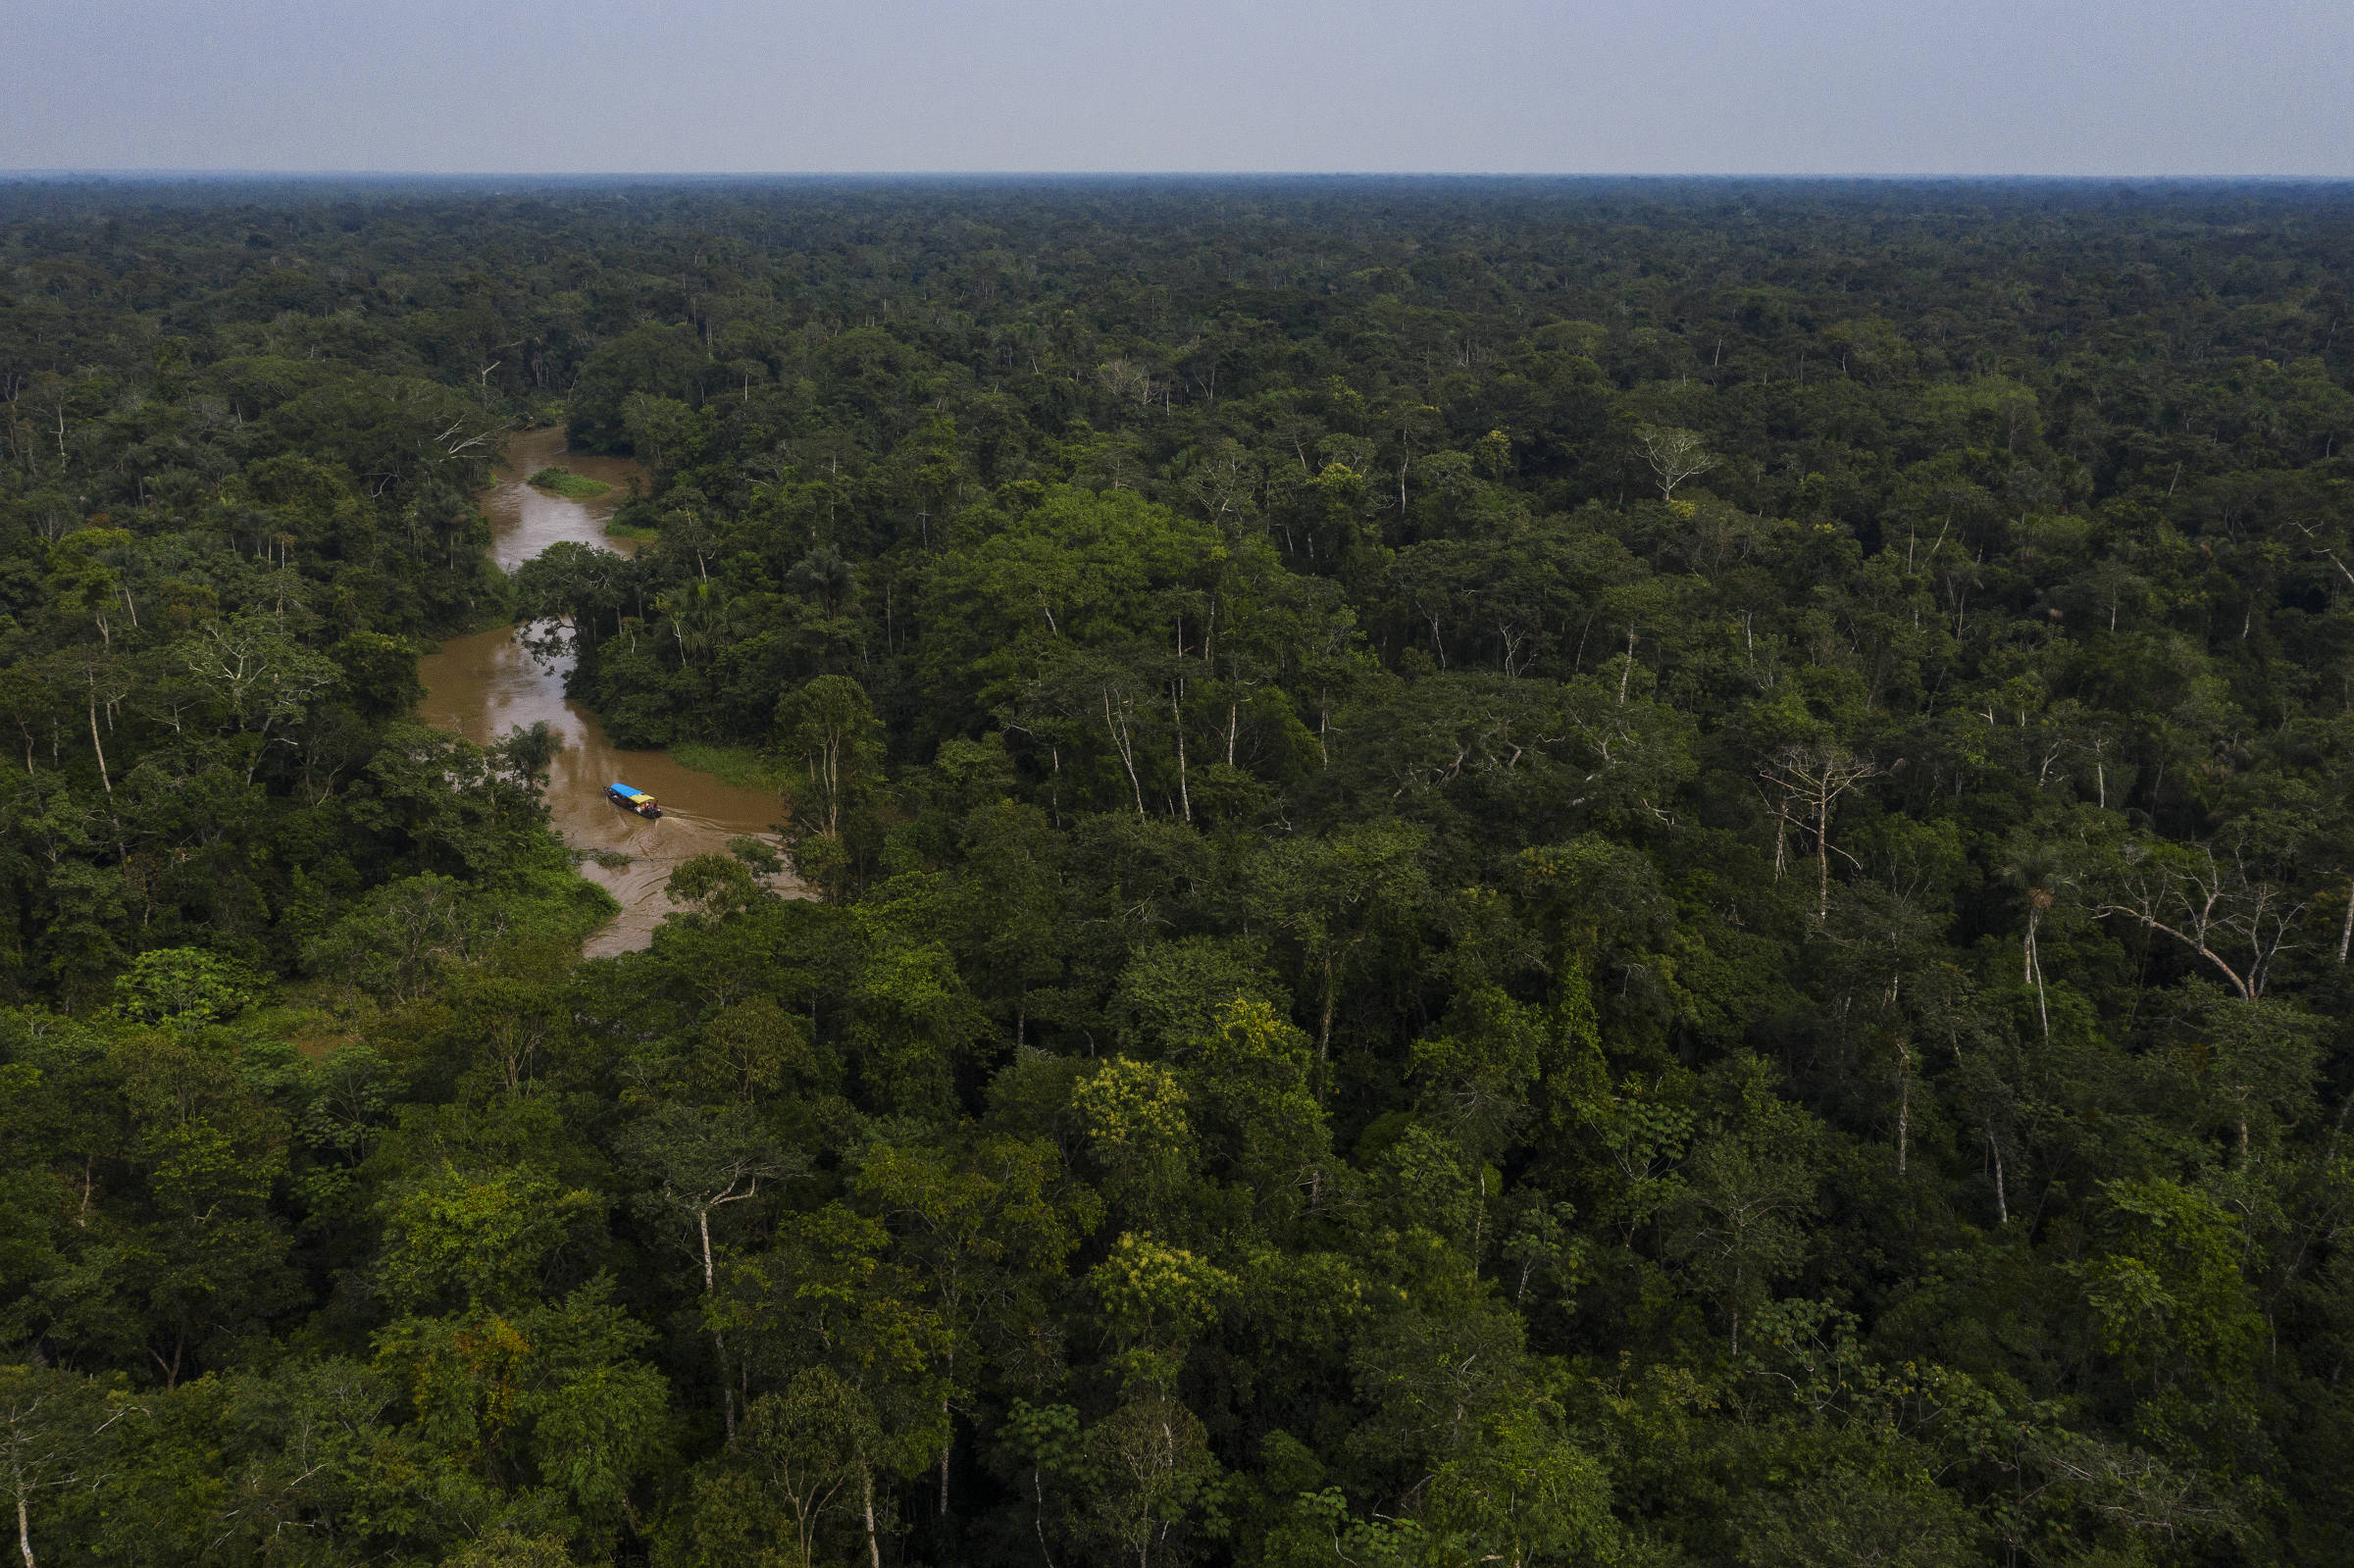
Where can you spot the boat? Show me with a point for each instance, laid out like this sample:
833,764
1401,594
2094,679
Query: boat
637,800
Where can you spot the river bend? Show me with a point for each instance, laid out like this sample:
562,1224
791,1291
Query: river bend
484,684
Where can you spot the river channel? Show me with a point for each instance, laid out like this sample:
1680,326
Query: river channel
485,684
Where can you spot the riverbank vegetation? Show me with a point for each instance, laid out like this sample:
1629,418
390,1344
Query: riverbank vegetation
565,482
1518,872
744,766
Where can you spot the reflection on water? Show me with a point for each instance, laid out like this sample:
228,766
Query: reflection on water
485,684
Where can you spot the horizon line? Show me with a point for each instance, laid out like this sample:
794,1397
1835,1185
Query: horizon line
229,173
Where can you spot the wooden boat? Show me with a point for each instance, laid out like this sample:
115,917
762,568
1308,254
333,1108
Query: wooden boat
637,800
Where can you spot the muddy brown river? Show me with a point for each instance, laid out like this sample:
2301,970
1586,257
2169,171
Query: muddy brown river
485,684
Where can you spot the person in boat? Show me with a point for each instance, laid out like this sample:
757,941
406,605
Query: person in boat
637,800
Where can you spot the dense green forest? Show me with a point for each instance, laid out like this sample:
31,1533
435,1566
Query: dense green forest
1497,872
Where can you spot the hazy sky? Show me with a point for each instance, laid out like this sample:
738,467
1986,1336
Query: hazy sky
1768,86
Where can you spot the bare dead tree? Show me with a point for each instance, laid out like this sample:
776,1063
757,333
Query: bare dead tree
1811,777
1674,455
2237,922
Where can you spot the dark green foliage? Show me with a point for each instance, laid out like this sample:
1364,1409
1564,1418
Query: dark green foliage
1519,873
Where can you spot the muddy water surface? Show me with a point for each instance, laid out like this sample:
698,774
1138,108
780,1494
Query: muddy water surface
485,684
523,520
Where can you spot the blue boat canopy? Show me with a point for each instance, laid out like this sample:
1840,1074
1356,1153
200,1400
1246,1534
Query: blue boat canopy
625,789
